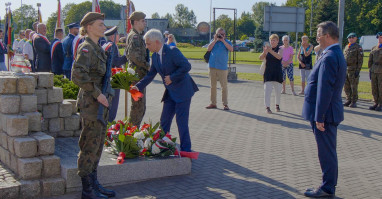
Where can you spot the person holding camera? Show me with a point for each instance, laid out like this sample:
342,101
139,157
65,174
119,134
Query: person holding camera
305,59
273,74
218,66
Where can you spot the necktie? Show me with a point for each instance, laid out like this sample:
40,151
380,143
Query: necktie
158,60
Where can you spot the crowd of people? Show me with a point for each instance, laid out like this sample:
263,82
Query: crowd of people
82,57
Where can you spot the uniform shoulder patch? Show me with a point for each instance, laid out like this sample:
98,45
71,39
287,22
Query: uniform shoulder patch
85,50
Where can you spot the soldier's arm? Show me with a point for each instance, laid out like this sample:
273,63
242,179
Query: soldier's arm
80,73
370,63
360,59
135,52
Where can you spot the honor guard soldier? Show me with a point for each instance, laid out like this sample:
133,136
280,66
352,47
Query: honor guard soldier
117,62
67,46
57,52
138,56
88,73
375,66
354,58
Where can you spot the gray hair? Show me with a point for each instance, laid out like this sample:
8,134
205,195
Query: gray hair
305,37
39,26
329,28
285,37
154,35
219,29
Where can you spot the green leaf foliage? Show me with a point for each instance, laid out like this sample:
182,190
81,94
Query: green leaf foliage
69,89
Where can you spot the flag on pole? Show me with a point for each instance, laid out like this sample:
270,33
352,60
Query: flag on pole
6,28
39,15
129,10
59,22
95,6
10,30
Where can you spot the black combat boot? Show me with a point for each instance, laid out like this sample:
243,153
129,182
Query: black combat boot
353,105
373,107
347,103
379,108
88,190
101,189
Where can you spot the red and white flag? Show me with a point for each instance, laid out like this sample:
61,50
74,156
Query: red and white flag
59,22
129,10
95,6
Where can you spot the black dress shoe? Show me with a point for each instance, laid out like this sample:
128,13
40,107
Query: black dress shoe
317,193
347,103
373,107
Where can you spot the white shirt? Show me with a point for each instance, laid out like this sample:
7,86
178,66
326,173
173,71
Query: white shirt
28,50
21,44
15,44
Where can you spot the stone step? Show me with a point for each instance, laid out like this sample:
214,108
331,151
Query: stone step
9,186
110,173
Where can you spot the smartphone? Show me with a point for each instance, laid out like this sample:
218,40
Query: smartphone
267,44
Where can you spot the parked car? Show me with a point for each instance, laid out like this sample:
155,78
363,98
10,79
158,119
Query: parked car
241,47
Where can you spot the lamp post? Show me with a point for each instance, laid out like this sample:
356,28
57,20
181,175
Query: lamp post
210,18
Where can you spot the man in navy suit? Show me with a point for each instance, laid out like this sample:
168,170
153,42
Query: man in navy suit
173,67
323,106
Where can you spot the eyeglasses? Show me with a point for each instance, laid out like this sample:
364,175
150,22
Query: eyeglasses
351,37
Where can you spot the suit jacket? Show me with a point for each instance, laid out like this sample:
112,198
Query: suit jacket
323,102
42,49
57,56
177,66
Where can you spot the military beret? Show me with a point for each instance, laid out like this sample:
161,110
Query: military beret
379,34
137,15
111,31
91,16
352,35
73,25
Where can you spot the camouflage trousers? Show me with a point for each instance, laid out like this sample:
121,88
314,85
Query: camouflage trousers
351,86
91,145
376,87
138,109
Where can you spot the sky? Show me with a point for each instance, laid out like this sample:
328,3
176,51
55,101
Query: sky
201,8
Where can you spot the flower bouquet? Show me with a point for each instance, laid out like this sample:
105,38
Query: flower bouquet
122,78
130,141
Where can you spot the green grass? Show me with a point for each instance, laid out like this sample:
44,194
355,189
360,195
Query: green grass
364,88
249,57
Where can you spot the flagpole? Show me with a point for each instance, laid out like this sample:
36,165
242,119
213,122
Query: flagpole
8,7
127,27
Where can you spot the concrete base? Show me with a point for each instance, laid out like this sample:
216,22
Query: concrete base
110,173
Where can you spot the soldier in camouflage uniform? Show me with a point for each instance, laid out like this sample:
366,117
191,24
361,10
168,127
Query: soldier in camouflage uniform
354,58
138,57
375,66
88,71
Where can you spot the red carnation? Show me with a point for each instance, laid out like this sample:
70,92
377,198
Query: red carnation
156,136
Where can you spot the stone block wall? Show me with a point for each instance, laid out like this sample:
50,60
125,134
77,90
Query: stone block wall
32,114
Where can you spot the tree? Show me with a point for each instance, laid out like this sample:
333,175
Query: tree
245,25
24,17
155,16
225,22
52,19
171,22
184,18
258,12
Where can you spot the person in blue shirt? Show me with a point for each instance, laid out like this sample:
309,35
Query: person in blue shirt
171,40
3,50
218,66
67,47
57,53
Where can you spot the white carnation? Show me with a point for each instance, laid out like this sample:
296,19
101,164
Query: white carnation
131,71
139,135
148,143
155,149
140,144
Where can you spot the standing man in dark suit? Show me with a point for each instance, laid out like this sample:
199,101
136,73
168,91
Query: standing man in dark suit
41,46
173,67
67,44
57,52
323,106
117,62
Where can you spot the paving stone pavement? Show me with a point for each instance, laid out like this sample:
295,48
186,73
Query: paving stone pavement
247,153
9,185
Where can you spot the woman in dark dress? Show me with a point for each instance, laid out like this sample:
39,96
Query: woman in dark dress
273,76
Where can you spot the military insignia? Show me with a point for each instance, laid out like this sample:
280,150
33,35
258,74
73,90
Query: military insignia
85,50
135,37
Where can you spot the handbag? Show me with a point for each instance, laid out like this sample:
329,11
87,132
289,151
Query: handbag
207,56
262,67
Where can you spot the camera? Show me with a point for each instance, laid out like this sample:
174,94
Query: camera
220,36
